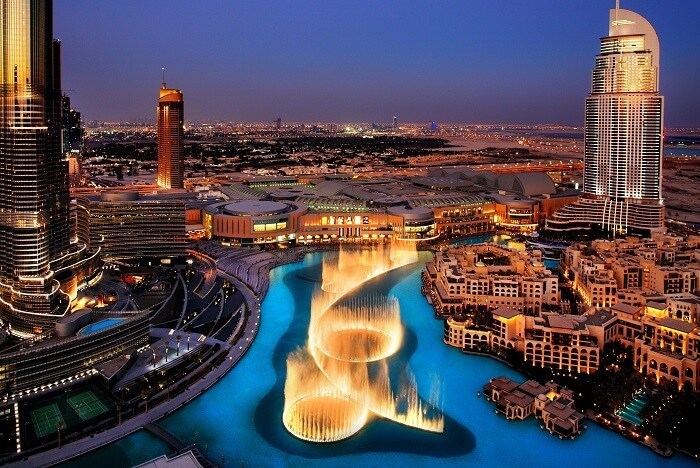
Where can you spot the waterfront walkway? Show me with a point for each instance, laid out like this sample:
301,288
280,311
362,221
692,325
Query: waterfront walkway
172,441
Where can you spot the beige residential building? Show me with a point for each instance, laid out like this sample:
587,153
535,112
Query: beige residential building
627,269
488,276
669,349
642,292
569,342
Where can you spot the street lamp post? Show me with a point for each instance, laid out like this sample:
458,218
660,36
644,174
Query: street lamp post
59,425
26,433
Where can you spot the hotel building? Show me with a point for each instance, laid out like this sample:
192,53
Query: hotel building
81,342
623,134
171,138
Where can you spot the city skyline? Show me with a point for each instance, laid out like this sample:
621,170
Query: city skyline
360,63
321,291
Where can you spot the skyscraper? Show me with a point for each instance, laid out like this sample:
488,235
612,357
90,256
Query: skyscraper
72,127
34,200
171,152
623,136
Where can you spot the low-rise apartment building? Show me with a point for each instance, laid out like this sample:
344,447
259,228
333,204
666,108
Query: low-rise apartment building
487,276
568,342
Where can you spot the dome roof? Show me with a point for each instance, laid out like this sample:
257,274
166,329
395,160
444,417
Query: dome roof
527,184
255,208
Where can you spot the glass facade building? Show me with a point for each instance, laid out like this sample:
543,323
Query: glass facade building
34,199
623,134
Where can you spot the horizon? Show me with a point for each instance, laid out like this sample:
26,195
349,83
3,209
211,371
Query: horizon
332,62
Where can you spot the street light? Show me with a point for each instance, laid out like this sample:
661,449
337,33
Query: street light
59,426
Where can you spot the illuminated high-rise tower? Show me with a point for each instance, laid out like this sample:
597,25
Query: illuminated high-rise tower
624,134
34,200
72,128
171,152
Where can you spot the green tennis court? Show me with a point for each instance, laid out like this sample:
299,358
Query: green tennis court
46,420
87,405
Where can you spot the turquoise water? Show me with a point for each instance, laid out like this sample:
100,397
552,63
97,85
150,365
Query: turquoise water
632,411
239,418
129,451
99,326
501,239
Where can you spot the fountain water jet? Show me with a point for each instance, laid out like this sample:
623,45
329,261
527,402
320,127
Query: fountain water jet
341,376
319,411
363,331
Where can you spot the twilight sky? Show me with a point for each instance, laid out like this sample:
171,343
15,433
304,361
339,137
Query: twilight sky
468,61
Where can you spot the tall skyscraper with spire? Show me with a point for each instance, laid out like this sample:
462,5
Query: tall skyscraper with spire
623,134
171,138
34,199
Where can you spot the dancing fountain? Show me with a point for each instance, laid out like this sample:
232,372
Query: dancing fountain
341,377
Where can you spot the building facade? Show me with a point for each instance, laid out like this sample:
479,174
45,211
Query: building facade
34,200
633,296
125,225
64,359
463,279
171,138
623,134
560,341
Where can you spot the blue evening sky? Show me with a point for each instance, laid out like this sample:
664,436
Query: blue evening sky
468,61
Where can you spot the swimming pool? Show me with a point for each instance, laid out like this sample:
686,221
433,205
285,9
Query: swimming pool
99,326
632,411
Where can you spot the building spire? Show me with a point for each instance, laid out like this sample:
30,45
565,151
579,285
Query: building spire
163,72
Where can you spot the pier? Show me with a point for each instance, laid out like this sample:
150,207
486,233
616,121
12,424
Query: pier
178,446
